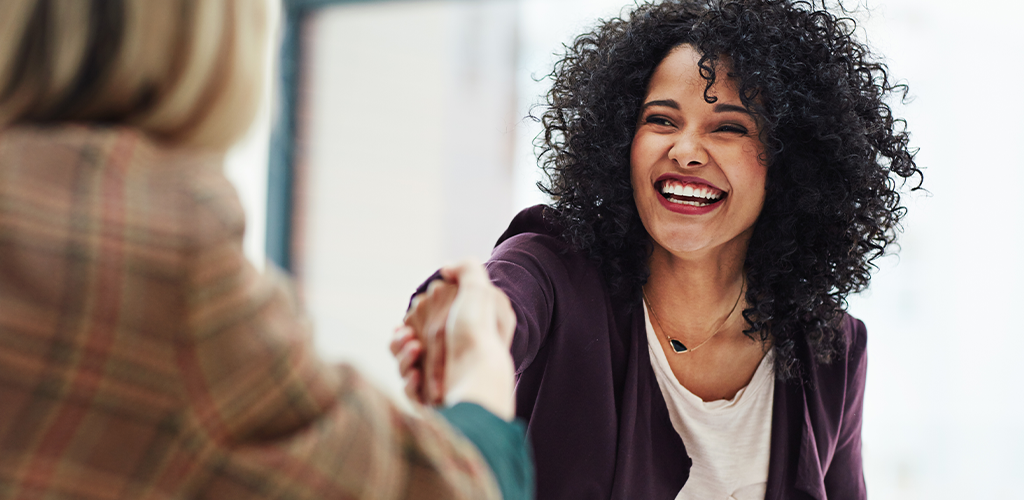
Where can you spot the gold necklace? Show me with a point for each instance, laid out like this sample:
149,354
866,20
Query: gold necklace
678,346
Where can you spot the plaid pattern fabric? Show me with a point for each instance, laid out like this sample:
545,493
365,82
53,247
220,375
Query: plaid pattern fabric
141,356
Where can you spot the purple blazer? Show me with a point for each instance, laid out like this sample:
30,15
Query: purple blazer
595,415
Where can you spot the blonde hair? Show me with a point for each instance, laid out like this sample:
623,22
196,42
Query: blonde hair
187,72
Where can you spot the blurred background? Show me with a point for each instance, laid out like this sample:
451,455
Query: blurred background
395,137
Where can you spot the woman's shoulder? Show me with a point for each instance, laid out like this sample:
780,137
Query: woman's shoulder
533,241
535,220
532,227
160,194
535,231
846,367
855,334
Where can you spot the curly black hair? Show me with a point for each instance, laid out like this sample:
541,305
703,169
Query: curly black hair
833,150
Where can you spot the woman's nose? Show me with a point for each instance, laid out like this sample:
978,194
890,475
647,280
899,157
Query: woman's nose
688,150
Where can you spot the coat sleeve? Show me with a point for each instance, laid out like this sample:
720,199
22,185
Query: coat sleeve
265,417
525,268
844,478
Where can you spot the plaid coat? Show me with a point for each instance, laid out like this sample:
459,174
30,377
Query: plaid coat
142,356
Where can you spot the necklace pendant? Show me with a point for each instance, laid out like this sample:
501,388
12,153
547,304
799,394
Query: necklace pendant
677,346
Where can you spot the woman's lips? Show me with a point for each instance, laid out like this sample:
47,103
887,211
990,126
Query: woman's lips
688,195
685,179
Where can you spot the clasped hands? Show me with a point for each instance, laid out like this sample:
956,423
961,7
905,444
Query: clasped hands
454,344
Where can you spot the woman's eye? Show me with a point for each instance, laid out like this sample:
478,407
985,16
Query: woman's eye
732,128
658,120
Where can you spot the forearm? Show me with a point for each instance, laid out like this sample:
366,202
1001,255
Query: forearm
486,379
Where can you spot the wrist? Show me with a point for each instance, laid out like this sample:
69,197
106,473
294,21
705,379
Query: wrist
485,376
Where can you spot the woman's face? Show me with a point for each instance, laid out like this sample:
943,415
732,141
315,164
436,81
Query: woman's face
698,181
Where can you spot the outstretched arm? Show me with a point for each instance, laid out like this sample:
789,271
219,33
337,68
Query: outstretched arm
466,325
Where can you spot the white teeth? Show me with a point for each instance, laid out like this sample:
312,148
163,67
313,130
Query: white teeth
691,203
689,190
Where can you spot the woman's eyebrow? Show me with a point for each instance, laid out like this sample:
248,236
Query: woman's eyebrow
719,108
663,102
731,108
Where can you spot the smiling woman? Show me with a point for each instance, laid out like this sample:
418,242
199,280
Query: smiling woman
723,172
692,157
698,180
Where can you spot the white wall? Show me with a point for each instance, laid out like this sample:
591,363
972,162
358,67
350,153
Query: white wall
405,160
944,403
246,167
545,26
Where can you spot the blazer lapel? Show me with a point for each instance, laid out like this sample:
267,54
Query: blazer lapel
794,471
809,476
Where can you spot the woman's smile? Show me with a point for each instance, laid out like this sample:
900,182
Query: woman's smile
688,195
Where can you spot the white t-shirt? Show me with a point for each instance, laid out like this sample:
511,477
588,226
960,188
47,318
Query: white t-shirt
728,440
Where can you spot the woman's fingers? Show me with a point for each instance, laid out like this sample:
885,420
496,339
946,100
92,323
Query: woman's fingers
463,318
399,338
410,356
408,351
434,357
413,386
424,352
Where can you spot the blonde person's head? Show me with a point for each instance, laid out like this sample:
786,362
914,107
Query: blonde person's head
187,72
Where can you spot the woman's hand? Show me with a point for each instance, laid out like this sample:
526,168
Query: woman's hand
454,345
422,368
408,350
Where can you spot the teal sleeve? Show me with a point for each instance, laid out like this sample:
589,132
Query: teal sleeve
503,444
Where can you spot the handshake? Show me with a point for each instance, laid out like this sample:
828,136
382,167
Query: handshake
454,344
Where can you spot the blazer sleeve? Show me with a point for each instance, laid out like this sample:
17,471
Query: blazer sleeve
526,267
265,417
844,478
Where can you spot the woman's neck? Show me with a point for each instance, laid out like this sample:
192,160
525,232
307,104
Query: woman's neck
693,294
